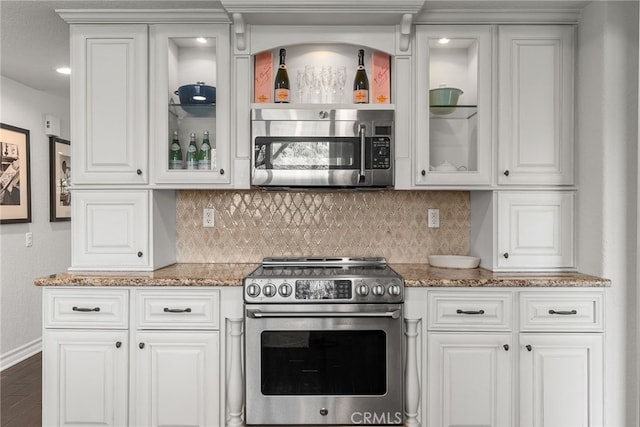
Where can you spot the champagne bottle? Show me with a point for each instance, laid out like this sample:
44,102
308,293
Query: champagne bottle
204,155
361,82
175,153
281,86
192,152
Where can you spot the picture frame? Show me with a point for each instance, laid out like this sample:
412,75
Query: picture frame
15,175
60,179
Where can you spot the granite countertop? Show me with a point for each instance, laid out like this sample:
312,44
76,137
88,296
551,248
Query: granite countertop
415,275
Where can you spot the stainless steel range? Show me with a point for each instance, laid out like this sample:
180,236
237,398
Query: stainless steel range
324,342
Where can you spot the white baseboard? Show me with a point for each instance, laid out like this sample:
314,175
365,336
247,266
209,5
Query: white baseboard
19,354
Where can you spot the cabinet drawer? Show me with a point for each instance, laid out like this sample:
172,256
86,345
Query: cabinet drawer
86,308
178,309
470,311
561,311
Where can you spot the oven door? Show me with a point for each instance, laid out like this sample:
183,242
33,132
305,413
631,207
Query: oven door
319,364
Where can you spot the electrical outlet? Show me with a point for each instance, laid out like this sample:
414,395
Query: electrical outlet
28,239
433,218
207,217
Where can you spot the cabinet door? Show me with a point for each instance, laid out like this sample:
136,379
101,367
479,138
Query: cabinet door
561,380
535,230
181,56
453,137
469,379
176,379
535,108
110,229
85,378
109,104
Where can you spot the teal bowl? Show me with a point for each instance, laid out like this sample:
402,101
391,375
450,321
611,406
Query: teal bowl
444,99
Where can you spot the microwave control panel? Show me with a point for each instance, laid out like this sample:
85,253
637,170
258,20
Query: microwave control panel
381,152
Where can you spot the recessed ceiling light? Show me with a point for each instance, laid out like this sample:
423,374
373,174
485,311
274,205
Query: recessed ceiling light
444,40
201,40
64,70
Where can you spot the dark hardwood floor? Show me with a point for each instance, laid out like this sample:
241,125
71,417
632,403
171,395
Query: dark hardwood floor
21,394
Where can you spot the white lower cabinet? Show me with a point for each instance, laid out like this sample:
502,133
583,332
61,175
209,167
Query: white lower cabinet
487,367
470,379
561,380
137,357
176,378
85,378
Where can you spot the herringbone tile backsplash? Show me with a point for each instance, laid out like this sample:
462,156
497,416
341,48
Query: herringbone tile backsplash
250,225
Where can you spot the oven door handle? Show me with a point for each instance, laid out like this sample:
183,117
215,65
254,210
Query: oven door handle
257,314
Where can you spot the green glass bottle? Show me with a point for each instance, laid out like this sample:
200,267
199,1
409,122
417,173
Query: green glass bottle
192,152
204,155
175,153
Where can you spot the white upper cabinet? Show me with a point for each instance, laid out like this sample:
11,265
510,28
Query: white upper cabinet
190,95
109,104
535,115
453,105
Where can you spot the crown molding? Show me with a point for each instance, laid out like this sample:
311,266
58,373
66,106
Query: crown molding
494,16
146,16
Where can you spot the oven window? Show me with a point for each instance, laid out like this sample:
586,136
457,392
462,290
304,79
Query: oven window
280,154
324,362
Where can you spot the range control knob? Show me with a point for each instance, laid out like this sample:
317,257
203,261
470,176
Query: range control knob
269,290
285,290
362,290
253,290
378,290
394,290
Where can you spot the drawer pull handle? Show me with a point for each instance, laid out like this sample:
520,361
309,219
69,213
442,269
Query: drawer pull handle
564,313
506,173
141,345
528,347
139,172
469,311
506,347
118,344
85,309
177,310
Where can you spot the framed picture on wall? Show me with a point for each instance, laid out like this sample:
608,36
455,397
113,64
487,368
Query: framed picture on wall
60,172
15,175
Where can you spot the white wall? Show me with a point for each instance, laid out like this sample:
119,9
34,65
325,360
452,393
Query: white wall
20,300
606,150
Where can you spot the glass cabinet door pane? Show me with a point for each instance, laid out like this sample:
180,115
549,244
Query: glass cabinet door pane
453,94
191,89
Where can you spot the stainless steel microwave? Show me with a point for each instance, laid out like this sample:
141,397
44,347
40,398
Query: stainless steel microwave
311,147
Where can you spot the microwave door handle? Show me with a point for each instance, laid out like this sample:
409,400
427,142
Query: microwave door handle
257,314
363,140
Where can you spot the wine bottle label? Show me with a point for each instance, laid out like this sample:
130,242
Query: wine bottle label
175,146
205,147
282,95
360,96
192,149
175,164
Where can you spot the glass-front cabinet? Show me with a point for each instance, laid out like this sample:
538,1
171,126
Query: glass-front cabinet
189,81
453,105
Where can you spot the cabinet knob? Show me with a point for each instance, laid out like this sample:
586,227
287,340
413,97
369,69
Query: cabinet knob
528,347
506,255
141,345
506,347
423,173
139,172
221,171
118,344
139,254
506,173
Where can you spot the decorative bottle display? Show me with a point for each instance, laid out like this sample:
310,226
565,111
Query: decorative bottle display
281,86
192,152
361,82
204,155
175,153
